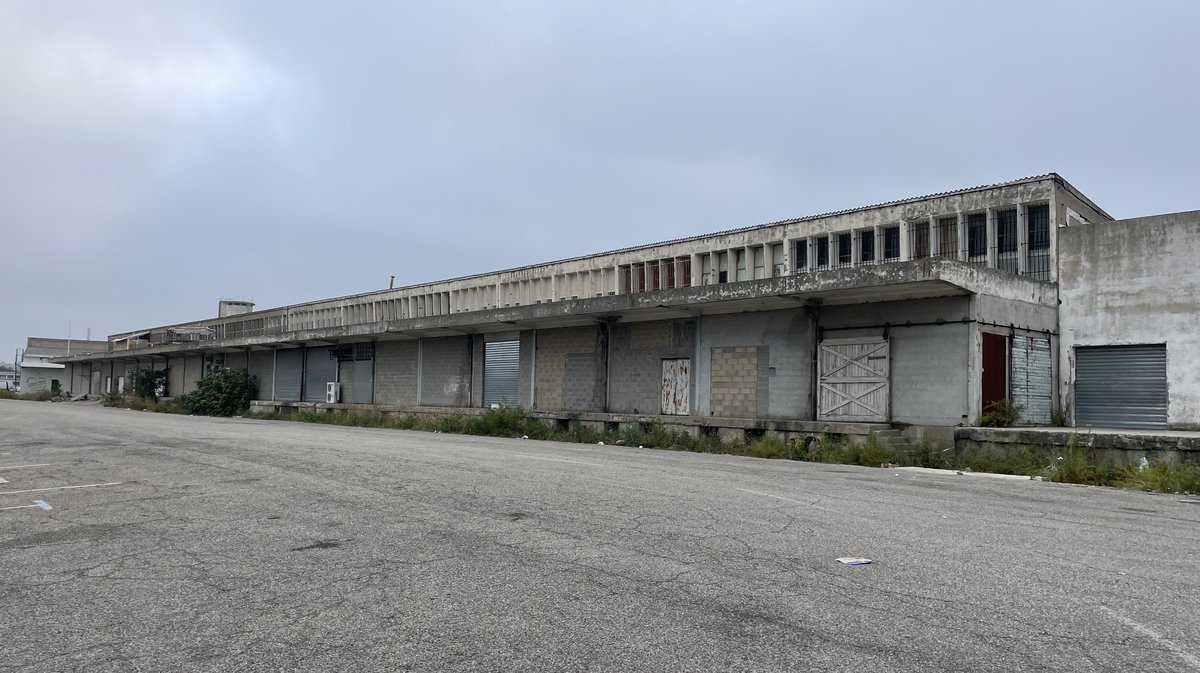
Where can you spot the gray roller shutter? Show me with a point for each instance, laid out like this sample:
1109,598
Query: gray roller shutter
1121,386
319,368
289,371
501,360
1032,379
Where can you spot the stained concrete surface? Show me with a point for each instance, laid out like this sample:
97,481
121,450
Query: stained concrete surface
237,544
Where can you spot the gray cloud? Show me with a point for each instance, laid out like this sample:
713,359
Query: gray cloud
157,156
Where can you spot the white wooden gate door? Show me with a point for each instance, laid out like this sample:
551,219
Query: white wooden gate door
853,380
676,385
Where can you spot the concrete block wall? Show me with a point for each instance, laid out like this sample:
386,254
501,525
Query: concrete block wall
778,362
396,372
526,368
193,366
635,365
445,372
931,364
346,379
237,360
174,367
734,381
570,373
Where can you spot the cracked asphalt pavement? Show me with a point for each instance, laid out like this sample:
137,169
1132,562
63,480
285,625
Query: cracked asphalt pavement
246,545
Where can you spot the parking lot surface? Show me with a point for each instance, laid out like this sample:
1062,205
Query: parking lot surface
173,543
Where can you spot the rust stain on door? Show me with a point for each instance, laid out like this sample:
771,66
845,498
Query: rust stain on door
676,380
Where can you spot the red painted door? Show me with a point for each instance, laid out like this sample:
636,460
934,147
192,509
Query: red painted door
995,368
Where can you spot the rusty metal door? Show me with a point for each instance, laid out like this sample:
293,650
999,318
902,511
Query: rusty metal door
994,386
676,384
853,380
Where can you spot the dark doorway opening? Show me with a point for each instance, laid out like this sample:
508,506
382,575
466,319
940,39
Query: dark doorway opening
995,369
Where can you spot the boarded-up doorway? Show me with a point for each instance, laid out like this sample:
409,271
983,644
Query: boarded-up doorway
676,384
995,369
853,380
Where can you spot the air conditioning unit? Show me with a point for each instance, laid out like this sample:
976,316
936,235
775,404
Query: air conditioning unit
333,392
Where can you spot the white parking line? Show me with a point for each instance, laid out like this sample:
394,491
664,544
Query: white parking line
58,488
40,504
16,467
558,460
1157,637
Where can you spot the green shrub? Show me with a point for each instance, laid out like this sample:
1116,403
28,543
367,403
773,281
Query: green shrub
39,396
223,392
768,447
1000,414
148,383
502,422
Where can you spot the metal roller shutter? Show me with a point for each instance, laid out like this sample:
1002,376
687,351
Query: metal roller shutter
319,368
501,360
1032,378
1121,386
289,371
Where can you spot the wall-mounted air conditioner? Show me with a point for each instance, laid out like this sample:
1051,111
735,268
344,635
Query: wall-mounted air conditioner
333,392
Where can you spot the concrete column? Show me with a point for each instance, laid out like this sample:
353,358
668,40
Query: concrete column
1022,239
991,238
962,237
905,240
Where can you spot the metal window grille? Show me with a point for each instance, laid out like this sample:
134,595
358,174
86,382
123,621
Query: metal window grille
918,239
947,237
1037,259
800,256
777,259
823,252
977,238
891,243
866,246
845,250
760,262
1006,240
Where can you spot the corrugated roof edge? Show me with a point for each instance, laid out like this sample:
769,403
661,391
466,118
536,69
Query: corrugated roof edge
912,199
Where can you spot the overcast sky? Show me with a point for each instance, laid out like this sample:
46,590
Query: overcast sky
158,156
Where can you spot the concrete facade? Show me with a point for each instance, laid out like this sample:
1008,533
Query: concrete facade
1135,282
745,315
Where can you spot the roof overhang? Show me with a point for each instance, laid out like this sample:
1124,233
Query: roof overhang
892,282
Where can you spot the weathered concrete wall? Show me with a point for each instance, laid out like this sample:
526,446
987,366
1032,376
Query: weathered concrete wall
930,362
1135,282
261,365
445,372
193,370
570,369
780,365
396,373
526,368
635,370
237,360
1123,447
1021,315
174,367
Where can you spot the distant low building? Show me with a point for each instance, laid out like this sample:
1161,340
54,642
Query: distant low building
36,373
